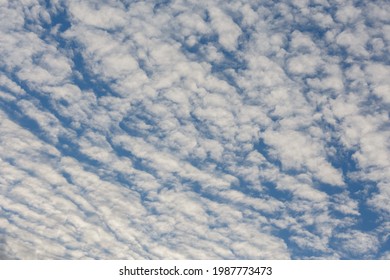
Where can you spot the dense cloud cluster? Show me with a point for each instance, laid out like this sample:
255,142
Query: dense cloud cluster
191,129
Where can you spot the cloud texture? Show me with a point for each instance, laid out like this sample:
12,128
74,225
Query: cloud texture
194,130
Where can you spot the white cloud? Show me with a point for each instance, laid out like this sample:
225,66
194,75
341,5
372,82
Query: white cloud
97,15
228,31
302,42
297,151
354,40
303,64
348,14
378,77
358,243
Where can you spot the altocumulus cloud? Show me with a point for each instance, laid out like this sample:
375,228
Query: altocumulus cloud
194,130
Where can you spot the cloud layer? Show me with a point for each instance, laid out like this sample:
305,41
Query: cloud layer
186,130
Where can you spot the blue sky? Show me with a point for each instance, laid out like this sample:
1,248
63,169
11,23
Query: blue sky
194,130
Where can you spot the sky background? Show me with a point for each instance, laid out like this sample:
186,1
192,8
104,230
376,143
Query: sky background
194,129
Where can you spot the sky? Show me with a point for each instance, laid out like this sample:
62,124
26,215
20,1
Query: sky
194,129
